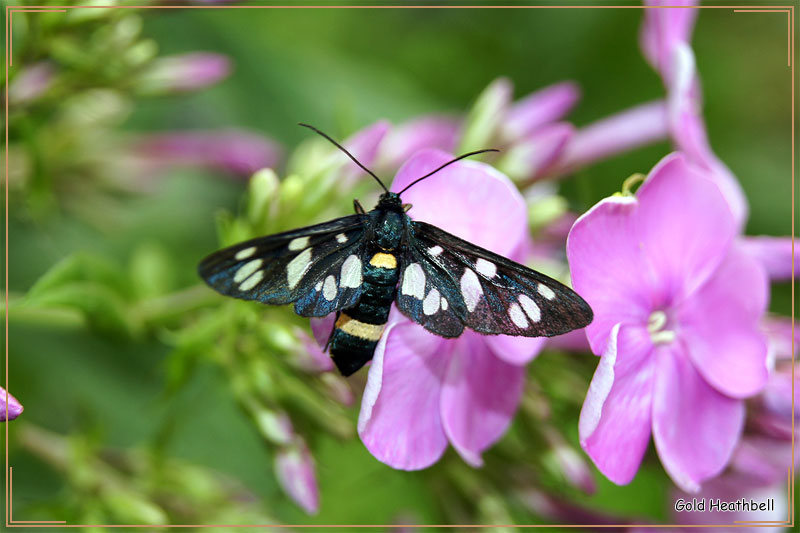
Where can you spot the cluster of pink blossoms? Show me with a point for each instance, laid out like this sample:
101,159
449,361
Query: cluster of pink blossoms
680,298
679,294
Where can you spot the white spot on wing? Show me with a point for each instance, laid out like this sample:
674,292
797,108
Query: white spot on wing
244,254
431,302
329,290
414,281
435,250
351,272
546,291
341,238
299,243
444,304
298,267
246,269
517,316
318,286
252,281
530,308
471,289
487,268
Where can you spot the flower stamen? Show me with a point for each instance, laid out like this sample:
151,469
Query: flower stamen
655,325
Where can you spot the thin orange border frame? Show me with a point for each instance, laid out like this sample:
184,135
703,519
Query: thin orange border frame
788,9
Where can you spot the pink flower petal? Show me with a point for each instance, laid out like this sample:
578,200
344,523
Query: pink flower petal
763,458
364,146
534,154
322,328
695,428
615,420
685,226
405,140
451,197
776,411
399,421
774,253
540,108
31,82
515,350
310,356
608,269
720,327
10,408
184,72
779,333
295,471
626,130
236,151
479,397
689,136
663,29
574,341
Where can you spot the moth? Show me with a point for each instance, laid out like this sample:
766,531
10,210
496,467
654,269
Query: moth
358,265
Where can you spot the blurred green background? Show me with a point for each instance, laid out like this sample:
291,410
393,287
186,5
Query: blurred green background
342,69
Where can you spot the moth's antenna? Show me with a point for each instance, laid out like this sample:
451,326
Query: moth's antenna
448,163
340,147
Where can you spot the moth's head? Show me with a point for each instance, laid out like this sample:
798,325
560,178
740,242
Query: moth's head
390,201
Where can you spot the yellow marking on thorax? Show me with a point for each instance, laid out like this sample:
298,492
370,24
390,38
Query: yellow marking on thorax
362,330
383,260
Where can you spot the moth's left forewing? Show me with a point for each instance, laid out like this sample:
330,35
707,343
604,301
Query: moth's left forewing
498,296
316,267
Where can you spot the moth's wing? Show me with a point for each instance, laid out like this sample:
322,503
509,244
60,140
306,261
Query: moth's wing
428,293
484,291
317,267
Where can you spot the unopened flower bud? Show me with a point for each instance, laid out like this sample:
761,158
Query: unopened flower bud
184,72
30,83
276,427
337,388
262,190
294,467
10,408
484,118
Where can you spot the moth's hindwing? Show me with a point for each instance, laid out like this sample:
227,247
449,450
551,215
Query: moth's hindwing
447,283
317,267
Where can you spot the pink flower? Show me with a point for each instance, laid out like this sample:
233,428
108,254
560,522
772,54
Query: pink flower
10,408
235,151
758,468
364,145
664,38
535,140
638,126
184,72
31,82
404,140
677,311
776,254
424,391
294,468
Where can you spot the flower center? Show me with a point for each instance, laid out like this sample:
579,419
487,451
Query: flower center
655,326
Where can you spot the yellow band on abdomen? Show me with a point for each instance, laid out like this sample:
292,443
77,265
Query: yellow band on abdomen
362,330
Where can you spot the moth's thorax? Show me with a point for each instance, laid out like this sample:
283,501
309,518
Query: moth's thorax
388,226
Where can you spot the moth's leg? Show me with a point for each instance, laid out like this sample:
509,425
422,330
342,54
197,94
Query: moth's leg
358,207
333,329
406,207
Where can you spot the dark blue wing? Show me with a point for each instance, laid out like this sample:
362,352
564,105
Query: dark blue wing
317,267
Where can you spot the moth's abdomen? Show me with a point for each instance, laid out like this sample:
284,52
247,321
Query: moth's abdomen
359,328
